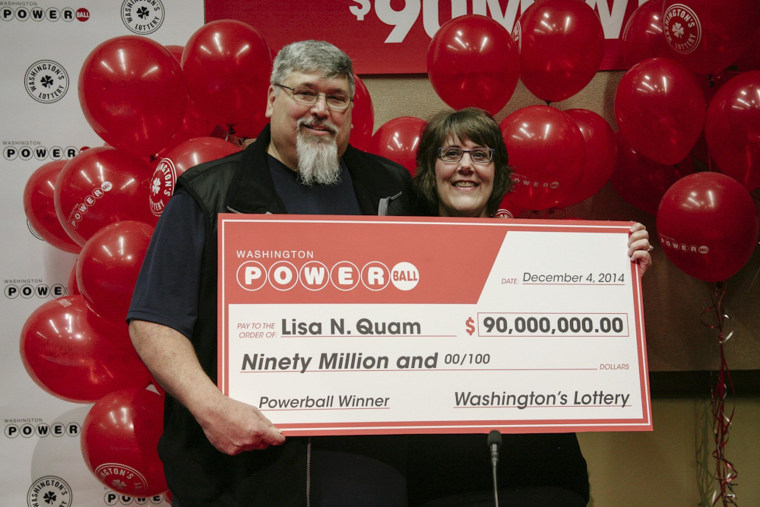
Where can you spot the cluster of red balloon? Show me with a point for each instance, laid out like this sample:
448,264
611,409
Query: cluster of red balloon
160,109
559,158
677,97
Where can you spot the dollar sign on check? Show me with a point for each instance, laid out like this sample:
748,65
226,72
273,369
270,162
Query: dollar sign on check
469,325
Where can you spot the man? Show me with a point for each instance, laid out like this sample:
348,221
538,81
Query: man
218,451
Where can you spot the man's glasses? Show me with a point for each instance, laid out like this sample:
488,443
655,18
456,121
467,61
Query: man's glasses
309,97
453,154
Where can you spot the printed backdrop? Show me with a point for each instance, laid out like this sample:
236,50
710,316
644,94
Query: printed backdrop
43,44
40,443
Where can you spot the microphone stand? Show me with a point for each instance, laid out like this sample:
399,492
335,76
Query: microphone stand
494,442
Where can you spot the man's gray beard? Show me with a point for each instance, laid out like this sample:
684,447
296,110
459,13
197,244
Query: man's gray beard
317,160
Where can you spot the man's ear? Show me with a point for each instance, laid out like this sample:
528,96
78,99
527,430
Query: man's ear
270,102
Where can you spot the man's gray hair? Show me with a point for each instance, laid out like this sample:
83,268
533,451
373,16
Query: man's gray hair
309,56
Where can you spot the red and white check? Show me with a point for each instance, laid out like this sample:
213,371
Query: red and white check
370,325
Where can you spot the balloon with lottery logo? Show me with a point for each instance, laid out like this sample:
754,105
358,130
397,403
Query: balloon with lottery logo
708,36
707,225
547,154
101,186
178,160
67,355
119,442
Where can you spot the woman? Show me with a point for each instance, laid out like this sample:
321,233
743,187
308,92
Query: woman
462,171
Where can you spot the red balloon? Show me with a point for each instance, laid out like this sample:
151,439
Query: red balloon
116,331
561,45
101,186
176,51
508,209
108,266
194,124
642,36
642,182
398,140
707,225
179,159
120,442
472,61
250,127
362,116
133,94
67,356
39,206
72,289
547,154
660,109
732,128
227,64
750,59
601,155
706,35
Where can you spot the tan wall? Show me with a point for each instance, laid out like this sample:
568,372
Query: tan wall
673,465
394,96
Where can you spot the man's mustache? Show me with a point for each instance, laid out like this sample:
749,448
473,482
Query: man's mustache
326,124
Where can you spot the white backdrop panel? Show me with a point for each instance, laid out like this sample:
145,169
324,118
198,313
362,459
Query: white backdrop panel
34,272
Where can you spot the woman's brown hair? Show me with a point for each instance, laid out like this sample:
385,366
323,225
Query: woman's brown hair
469,123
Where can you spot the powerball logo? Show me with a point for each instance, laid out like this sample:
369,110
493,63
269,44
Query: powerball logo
313,275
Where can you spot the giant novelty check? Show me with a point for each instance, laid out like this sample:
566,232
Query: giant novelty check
370,325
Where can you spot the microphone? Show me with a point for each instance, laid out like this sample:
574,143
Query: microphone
494,442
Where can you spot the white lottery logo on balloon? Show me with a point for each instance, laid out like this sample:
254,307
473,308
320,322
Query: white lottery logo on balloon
682,28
